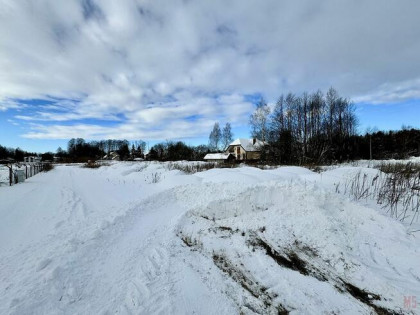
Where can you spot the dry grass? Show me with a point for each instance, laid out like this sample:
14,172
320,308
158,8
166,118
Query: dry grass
191,168
396,189
407,169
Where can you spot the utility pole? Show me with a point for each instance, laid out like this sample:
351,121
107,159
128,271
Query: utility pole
370,147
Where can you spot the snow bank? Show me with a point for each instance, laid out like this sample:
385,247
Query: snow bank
336,243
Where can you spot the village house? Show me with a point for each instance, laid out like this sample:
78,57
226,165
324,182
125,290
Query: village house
112,156
239,150
32,159
246,149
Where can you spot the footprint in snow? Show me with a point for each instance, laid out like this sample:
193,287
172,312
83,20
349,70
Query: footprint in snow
43,264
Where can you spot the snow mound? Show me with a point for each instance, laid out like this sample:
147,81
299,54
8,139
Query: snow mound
286,247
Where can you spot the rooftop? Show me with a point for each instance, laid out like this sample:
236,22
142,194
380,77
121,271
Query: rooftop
248,144
217,156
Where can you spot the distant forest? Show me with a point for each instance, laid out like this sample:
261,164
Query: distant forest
301,129
322,128
79,150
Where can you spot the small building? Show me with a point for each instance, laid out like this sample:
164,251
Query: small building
246,149
32,159
219,157
112,156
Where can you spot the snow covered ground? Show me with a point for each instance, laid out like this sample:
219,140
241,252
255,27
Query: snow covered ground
4,175
137,238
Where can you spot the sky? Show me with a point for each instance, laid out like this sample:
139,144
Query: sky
168,70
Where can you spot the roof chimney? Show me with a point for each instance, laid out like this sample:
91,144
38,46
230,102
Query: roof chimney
254,140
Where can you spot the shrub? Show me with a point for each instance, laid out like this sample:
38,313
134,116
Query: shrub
92,164
48,167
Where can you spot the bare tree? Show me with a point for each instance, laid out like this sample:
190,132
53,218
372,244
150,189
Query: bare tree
139,145
227,135
308,128
259,121
277,120
215,137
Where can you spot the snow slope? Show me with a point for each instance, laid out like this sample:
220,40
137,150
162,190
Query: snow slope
136,238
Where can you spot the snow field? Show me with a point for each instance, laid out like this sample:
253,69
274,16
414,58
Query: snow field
136,238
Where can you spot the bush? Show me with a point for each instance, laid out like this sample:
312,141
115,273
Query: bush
48,167
92,164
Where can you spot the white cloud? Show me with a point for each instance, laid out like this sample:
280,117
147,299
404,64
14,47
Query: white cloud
156,64
9,104
392,92
127,131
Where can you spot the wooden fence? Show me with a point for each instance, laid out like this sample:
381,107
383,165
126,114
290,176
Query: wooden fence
19,171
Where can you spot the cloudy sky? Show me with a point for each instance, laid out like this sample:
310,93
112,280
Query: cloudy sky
158,70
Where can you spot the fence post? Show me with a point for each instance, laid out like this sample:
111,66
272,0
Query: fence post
10,175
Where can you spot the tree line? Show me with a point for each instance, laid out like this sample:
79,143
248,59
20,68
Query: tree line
80,150
322,128
175,151
380,145
306,128
14,154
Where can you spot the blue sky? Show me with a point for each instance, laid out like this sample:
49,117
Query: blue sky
158,70
389,116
